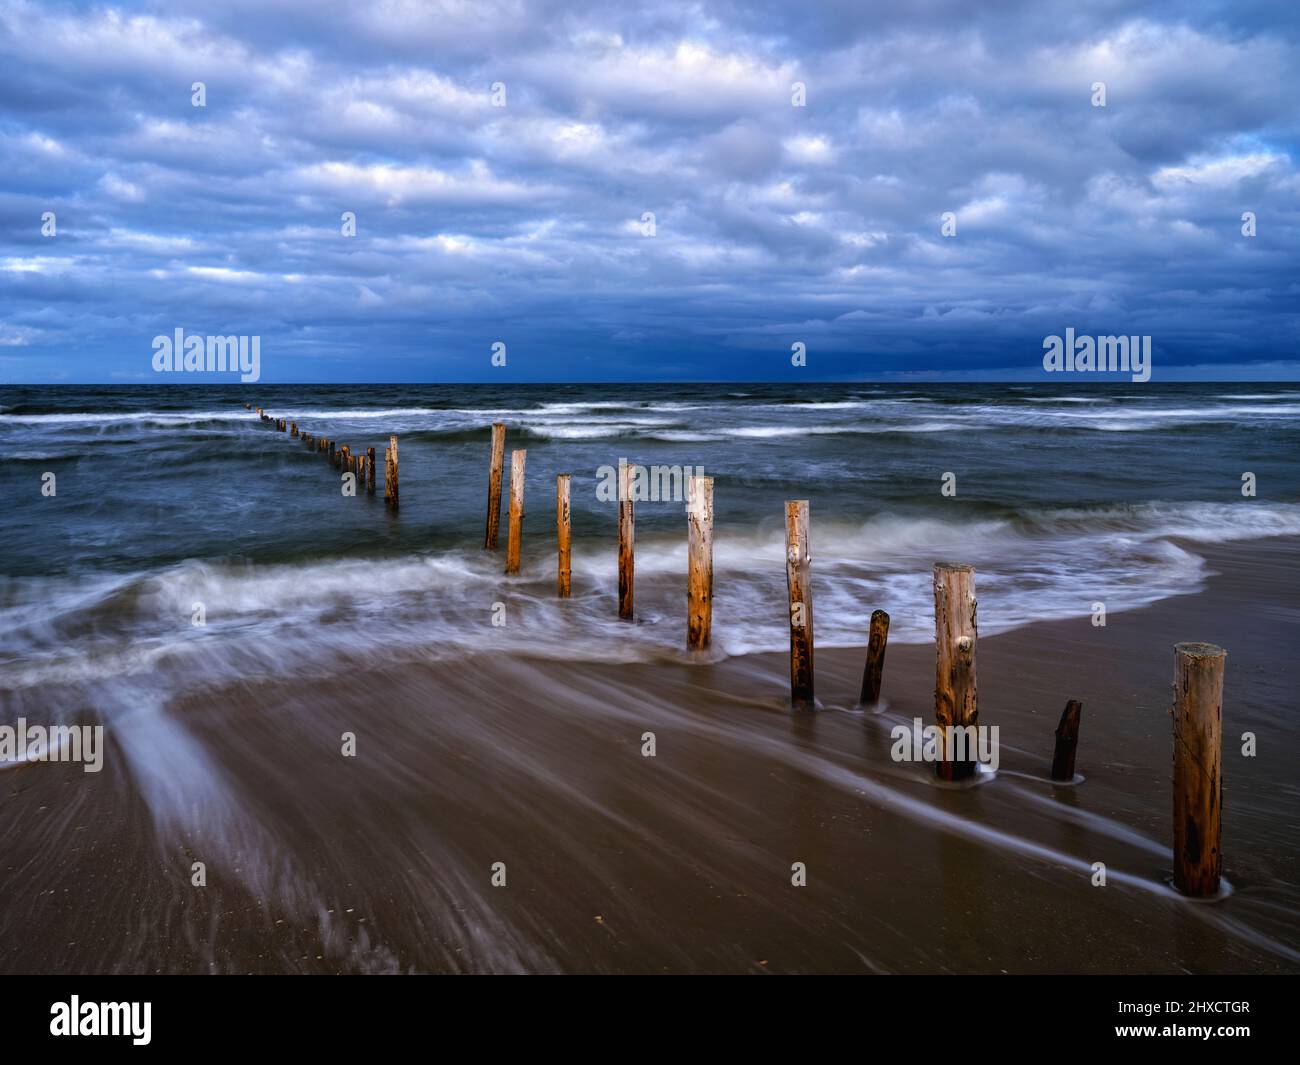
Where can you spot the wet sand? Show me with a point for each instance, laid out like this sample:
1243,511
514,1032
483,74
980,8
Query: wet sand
681,862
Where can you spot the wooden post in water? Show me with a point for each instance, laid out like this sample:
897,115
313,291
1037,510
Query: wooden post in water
626,539
1198,767
345,458
699,562
798,576
293,429
562,533
515,531
370,471
494,486
871,673
361,471
390,472
955,702
332,453
1067,739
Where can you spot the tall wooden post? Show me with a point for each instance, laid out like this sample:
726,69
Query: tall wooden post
1067,740
875,666
293,429
494,486
1198,767
626,539
955,702
370,471
563,533
699,562
516,530
345,458
332,453
798,576
390,472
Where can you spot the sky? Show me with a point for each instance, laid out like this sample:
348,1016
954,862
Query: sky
643,192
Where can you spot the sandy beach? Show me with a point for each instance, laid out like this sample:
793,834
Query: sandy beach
681,862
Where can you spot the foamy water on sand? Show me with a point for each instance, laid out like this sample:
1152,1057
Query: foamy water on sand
172,499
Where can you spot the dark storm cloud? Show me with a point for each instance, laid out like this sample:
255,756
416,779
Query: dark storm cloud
524,223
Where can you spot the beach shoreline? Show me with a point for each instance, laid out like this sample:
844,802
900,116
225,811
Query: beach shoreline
680,862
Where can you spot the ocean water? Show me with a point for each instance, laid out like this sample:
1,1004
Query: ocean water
324,613
171,497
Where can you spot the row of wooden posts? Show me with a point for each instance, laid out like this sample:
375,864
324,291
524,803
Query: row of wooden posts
1198,667
360,464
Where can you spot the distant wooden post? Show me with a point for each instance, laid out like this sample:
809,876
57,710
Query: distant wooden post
798,576
345,458
494,486
875,666
331,454
390,472
562,532
1067,739
515,531
293,429
370,471
955,703
1198,767
626,539
699,562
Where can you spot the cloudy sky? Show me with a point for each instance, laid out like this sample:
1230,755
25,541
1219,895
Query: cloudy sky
772,223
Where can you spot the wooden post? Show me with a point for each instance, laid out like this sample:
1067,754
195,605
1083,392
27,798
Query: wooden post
626,539
1067,739
390,472
494,486
361,471
516,529
293,429
331,455
345,458
875,666
562,532
370,471
699,562
1198,767
955,703
798,578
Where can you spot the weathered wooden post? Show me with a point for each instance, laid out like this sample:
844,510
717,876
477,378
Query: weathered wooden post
1067,739
563,533
1198,767
390,472
626,539
494,486
293,429
515,531
331,454
955,702
798,576
361,471
345,458
370,471
699,562
871,673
